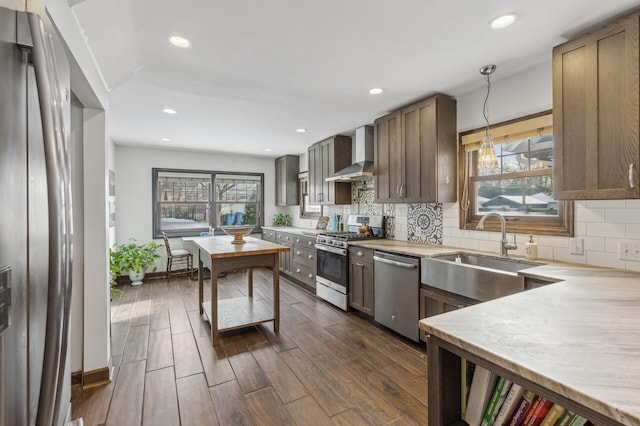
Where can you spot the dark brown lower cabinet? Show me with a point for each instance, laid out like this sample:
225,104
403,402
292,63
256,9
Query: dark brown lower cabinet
437,302
361,280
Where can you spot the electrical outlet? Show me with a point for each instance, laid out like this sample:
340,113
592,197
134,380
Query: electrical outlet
629,250
576,246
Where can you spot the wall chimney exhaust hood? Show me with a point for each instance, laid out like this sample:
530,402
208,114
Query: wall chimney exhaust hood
363,167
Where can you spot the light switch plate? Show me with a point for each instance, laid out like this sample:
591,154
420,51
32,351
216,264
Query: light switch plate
629,250
576,246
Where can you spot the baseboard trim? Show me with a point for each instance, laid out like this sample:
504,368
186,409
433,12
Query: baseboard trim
99,377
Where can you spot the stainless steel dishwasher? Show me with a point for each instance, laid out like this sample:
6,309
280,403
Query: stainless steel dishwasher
397,290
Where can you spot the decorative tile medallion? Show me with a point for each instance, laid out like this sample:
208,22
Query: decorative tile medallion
424,223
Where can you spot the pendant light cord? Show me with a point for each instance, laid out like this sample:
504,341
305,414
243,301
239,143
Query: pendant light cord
484,108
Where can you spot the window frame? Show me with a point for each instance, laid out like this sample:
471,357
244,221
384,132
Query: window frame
561,225
156,222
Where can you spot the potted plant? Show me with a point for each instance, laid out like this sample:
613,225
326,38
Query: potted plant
282,219
133,259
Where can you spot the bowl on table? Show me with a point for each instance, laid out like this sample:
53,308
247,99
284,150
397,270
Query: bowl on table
238,232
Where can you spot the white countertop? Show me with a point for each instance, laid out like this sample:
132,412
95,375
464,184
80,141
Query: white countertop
579,338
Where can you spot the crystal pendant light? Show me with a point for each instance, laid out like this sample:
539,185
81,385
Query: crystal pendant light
487,160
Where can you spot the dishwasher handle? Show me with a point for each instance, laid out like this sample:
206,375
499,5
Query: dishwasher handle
395,263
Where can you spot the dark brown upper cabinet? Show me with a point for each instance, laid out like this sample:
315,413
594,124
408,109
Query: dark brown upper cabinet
325,159
287,168
595,114
416,153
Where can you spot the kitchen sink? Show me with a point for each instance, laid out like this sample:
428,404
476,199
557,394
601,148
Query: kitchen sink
474,276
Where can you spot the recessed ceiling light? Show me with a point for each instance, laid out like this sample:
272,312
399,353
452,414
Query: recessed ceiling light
503,21
375,91
169,111
267,150
165,140
179,41
301,130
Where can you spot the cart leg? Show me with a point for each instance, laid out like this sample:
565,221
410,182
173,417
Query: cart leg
276,293
214,304
250,282
200,284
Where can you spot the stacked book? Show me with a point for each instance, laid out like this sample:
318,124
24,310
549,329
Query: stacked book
491,400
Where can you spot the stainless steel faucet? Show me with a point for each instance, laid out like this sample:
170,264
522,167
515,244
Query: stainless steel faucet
504,244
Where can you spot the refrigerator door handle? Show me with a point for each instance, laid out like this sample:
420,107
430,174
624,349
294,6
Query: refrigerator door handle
60,223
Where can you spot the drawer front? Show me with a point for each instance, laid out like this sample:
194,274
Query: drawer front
304,241
269,235
283,237
304,273
361,254
304,255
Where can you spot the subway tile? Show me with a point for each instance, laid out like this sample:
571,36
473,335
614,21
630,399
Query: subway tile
545,252
611,244
626,215
606,204
611,230
608,260
632,231
564,255
490,246
451,241
469,244
579,228
632,266
632,204
590,214
556,242
594,244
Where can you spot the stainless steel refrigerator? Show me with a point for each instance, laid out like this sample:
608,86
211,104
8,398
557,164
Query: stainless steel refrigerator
35,223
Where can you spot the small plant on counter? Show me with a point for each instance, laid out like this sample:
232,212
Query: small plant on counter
282,219
131,257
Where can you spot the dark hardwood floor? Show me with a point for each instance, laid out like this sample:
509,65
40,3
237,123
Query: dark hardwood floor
325,366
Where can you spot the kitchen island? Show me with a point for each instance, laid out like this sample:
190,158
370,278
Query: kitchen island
575,342
219,255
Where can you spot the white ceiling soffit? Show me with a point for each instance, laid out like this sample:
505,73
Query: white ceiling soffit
258,70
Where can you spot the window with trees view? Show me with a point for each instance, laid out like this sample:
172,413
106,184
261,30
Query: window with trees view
521,188
186,203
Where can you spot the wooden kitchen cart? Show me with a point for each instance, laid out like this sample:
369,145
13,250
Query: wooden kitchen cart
219,255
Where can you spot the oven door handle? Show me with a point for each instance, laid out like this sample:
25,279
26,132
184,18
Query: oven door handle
336,250
395,263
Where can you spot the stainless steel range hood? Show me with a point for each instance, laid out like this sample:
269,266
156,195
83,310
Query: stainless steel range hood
363,167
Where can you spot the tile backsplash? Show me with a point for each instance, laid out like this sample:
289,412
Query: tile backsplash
602,225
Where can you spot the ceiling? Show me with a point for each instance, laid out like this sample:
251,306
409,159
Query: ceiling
258,70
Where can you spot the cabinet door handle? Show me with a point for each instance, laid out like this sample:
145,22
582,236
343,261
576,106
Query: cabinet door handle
298,253
298,270
310,256
310,275
309,242
358,264
359,253
460,306
297,240
631,184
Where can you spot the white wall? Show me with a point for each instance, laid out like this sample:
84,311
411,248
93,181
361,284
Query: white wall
134,187
601,224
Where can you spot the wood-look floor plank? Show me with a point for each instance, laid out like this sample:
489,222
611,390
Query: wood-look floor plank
413,409
415,385
359,345
142,306
280,342
238,341
306,411
403,421
325,339
285,383
196,406
160,399
119,332
137,344
267,409
248,373
323,389
368,404
217,368
398,351
126,404
230,405
186,357
92,404
178,317
320,314
160,352
349,418
159,315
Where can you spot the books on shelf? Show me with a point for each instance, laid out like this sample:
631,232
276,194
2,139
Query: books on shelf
466,376
482,386
495,402
537,412
553,415
521,409
515,392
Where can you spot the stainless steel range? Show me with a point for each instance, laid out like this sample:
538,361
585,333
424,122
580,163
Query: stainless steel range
332,276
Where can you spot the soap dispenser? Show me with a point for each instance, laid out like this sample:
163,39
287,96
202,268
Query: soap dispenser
531,249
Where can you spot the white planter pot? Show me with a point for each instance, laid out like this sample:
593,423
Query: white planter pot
136,277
